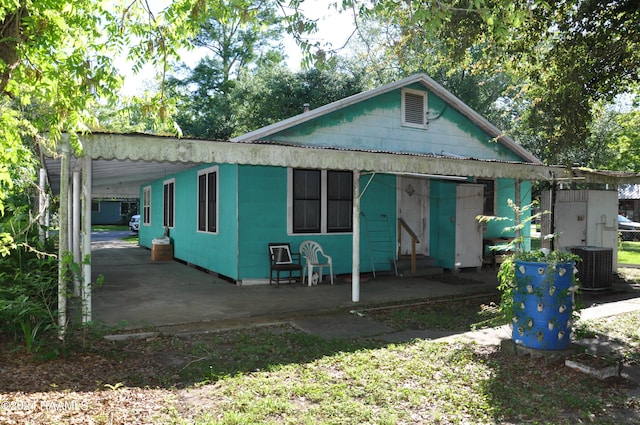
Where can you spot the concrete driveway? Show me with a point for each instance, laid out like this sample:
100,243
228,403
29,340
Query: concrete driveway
138,292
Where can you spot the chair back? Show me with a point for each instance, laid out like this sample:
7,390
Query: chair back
280,253
310,250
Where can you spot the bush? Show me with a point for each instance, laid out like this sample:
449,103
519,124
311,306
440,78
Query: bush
28,294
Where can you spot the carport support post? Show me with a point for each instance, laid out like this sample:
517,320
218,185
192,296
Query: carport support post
75,230
86,239
42,204
63,238
355,271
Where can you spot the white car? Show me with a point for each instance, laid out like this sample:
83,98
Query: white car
628,228
134,223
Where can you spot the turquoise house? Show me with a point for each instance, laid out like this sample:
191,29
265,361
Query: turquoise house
455,165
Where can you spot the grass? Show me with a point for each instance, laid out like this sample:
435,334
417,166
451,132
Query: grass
473,313
109,227
132,238
280,375
623,329
629,252
275,376
418,382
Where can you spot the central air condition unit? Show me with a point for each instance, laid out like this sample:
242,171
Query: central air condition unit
595,271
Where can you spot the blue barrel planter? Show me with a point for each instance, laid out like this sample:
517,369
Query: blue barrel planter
543,305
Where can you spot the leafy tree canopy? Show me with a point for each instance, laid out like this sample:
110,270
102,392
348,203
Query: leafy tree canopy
271,94
569,54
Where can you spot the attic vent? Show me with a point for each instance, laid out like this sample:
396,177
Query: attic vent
414,107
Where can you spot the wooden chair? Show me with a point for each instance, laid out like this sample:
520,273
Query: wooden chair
314,256
281,259
498,251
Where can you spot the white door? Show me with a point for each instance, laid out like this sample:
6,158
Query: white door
413,207
571,224
469,200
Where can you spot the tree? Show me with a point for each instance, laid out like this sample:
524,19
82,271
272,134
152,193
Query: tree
568,54
271,94
237,34
398,56
617,137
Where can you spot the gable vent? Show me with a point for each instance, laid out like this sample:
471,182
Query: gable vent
414,104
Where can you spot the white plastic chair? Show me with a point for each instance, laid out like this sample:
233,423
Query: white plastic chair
314,257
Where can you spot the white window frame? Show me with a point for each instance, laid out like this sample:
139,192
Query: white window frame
164,210
323,206
146,206
207,171
425,121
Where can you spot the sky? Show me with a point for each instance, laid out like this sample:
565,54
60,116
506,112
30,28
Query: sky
334,28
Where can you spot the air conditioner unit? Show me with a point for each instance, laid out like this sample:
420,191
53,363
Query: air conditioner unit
595,271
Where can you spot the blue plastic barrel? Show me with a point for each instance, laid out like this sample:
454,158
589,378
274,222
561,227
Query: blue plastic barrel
543,305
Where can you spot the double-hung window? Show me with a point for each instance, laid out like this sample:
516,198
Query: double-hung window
146,205
322,201
169,203
208,200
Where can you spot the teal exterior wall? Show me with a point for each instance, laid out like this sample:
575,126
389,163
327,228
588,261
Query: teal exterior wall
263,216
505,190
375,124
212,251
378,204
109,213
253,211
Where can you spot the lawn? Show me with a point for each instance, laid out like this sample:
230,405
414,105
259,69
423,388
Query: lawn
280,375
109,227
629,252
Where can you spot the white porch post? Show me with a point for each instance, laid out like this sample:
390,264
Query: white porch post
355,272
86,239
75,230
42,205
63,239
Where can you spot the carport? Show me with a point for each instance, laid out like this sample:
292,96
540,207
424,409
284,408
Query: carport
116,164
138,292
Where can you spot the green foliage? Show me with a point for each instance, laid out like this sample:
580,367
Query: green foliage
623,142
521,218
270,94
506,274
258,97
566,56
28,285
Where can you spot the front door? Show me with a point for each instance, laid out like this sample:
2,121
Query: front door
413,207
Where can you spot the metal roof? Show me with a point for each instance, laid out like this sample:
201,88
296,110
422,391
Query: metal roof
123,162
629,191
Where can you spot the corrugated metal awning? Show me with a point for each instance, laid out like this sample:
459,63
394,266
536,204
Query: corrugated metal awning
122,162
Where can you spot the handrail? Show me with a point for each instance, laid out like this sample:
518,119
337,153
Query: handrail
414,239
